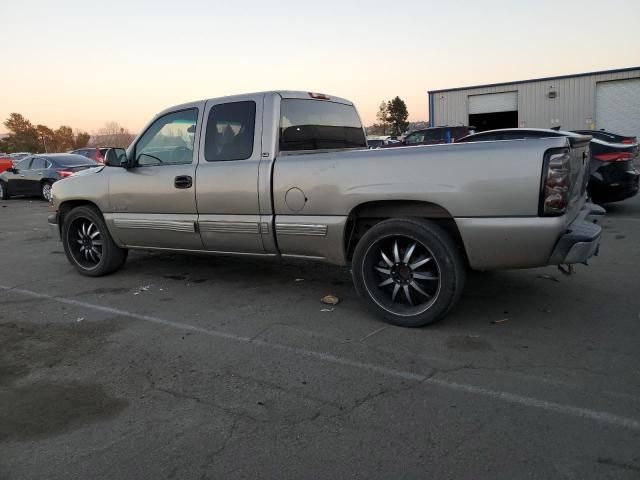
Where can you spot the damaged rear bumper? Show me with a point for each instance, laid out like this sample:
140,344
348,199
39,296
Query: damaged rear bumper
581,240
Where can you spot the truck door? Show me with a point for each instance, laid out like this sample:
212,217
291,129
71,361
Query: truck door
227,176
153,204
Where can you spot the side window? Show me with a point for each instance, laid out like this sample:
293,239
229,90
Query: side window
230,130
23,164
417,137
169,140
38,164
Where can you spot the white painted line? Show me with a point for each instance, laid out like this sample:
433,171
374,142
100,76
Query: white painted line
598,416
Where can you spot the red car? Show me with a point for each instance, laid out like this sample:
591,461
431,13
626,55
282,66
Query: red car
5,162
94,153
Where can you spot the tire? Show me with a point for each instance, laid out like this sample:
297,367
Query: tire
410,271
88,244
4,192
45,190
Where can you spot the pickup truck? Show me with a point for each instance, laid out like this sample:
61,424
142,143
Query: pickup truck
288,174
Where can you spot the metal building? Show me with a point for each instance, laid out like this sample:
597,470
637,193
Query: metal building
607,100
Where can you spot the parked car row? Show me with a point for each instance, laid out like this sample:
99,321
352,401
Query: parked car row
35,174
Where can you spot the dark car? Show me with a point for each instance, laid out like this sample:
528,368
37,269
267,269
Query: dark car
434,136
608,136
96,154
35,174
613,176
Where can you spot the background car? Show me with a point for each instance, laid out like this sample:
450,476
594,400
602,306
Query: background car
613,176
94,153
435,135
5,162
35,174
379,141
19,155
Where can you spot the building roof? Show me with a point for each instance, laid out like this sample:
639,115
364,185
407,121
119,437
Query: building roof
617,70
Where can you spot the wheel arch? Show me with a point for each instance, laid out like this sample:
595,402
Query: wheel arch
366,215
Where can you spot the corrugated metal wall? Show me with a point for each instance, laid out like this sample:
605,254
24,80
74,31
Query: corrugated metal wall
573,108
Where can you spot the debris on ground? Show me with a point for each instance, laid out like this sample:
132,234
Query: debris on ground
495,322
143,288
79,319
549,277
330,300
299,280
327,310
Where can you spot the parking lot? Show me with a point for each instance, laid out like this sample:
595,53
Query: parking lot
184,366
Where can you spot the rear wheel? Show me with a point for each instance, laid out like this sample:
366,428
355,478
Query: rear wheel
4,193
88,244
409,270
45,190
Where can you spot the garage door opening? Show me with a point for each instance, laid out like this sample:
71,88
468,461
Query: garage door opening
493,110
491,121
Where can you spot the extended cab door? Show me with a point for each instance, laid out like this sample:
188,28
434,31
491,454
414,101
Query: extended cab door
227,177
153,203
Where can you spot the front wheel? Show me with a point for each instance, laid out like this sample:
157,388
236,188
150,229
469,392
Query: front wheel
88,244
409,270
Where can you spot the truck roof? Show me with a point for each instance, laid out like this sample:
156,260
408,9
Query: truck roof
245,96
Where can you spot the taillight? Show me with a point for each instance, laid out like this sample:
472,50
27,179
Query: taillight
557,184
627,140
64,173
614,156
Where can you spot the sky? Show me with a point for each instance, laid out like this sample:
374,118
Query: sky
84,62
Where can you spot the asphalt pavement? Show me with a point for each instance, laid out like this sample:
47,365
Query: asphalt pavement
185,366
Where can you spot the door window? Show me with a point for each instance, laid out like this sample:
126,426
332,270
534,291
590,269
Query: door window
38,164
169,140
417,137
230,131
23,164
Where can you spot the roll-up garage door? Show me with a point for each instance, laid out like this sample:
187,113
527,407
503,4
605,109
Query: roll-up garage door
493,102
618,106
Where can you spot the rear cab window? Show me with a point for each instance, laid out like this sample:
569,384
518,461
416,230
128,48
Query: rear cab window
311,125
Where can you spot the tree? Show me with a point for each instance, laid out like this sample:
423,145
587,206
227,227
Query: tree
82,139
397,115
63,139
23,136
383,116
46,138
113,135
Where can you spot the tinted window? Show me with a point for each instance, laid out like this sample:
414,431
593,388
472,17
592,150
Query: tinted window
38,163
318,125
23,164
230,130
169,140
416,137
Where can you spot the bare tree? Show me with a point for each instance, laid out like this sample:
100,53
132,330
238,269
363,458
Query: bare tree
112,135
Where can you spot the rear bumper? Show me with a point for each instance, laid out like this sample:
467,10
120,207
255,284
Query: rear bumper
581,240
54,226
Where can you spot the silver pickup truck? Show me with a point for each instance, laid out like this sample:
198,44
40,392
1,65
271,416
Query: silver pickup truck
288,174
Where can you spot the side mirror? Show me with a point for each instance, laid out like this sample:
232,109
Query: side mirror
116,157
12,170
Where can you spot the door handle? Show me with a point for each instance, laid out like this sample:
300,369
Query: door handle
183,181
